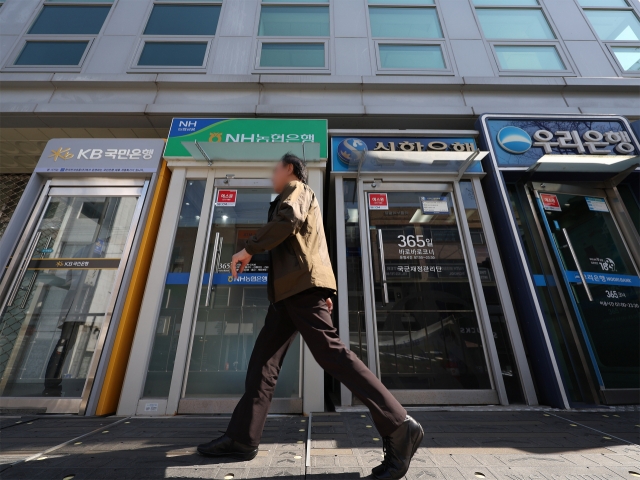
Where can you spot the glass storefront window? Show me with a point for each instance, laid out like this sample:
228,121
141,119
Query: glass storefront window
510,374
170,317
631,203
49,331
355,281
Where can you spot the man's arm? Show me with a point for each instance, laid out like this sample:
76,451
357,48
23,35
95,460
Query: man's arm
292,213
290,216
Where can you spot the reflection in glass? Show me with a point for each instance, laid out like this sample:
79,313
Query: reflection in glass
49,332
294,55
293,21
163,353
614,24
587,239
428,331
355,282
514,23
404,22
629,58
526,57
227,327
173,54
422,57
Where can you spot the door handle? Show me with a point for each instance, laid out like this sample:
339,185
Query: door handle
217,248
575,259
23,268
385,291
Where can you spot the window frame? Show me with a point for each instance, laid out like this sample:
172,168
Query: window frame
538,43
607,44
448,70
211,40
443,42
557,42
259,40
25,36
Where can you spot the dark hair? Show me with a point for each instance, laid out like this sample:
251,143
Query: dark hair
299,166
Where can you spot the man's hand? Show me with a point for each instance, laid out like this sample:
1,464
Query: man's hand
241,257
329,304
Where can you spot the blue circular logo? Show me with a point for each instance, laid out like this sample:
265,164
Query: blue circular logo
514,140
351,151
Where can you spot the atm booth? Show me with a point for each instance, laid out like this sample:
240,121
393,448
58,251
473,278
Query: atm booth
197,326
72,259
422,294
563,195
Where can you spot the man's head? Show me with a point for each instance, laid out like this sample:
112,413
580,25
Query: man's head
288,169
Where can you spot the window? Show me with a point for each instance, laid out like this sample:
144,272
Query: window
520,36
178,35
408,36
616,25
61,34
294,36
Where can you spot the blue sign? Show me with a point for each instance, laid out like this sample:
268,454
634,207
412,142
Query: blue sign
521,141
348,152
219,279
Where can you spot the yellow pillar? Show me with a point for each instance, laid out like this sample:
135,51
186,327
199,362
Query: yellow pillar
112,386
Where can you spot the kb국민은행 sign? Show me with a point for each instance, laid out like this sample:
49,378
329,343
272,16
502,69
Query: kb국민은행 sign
244,130
101,155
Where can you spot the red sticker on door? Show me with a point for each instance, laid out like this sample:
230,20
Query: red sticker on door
226,198
378,201
550,202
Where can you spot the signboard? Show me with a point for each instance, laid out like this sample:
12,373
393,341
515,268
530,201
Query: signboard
521,141
550,202
243,130
101,155
596,204
434,205
226,198
347,152
378,201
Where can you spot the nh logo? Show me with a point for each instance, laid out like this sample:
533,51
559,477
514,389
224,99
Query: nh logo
186,123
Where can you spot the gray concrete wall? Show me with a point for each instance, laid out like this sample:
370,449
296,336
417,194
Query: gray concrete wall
108,89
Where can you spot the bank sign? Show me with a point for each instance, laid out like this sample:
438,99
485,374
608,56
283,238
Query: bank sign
243,130
347,152
101,155
521,141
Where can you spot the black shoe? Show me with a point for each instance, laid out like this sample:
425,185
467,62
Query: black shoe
227,447
399,448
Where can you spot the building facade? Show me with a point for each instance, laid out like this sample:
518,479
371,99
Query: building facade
391,102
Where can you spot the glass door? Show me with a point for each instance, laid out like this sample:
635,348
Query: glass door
54,318
230,314
425,314
600,277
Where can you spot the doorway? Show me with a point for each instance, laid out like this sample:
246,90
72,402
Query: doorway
601,282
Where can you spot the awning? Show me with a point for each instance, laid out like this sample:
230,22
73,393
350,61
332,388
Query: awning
585,163
433,162
251,151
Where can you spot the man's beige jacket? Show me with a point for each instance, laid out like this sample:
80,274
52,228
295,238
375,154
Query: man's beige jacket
295,239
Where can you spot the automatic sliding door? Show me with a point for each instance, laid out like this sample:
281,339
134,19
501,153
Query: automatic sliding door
53,316
427,325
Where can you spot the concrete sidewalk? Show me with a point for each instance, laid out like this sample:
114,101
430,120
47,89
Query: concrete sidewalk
460,443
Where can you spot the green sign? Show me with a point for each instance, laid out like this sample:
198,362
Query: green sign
247,130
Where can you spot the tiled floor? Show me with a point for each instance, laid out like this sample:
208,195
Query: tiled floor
459,444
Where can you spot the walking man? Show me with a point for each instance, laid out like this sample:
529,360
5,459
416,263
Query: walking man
300,283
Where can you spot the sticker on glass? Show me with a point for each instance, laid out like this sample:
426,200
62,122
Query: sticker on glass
434,205
596,204
378,201
550,202
226,198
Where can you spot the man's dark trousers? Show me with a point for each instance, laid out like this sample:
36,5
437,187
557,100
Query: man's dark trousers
307,313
